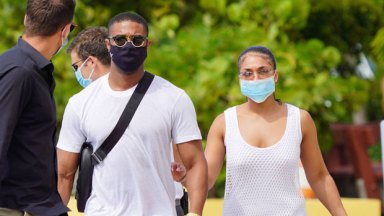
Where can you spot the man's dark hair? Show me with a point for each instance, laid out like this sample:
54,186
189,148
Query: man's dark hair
128,16
91,42
45,17
264,51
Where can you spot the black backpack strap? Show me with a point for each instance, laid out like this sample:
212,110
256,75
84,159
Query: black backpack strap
124,120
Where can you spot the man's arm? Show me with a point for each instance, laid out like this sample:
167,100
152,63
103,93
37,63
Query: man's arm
68,147
179,173
15,90
67,166
191,153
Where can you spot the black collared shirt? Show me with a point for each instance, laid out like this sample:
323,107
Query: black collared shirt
28,177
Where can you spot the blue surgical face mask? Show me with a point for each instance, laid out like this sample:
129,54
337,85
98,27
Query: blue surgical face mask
79,76
64,42
258,90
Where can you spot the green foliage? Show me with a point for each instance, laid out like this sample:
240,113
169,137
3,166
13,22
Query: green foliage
12,15
345,23
349,25
377,45
217,7
374,152
195,45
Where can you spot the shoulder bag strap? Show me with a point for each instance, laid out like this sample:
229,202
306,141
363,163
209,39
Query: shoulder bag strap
124,120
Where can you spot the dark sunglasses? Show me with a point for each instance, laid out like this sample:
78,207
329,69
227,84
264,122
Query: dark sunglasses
72,27
122,40
75,66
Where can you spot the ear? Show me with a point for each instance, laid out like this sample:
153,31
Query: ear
108,44
25,19
93,60
66,29
63,32
276,76
149,43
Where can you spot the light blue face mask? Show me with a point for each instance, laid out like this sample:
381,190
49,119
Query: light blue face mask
258,90
64,43
79,76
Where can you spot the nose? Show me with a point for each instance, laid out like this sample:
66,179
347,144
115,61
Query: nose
257,76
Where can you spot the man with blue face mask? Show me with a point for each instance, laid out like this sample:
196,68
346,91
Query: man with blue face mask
89,55
28,177
135,177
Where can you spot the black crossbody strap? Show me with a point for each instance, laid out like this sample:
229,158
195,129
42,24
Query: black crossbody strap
124,120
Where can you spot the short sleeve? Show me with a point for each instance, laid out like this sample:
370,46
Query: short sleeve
71,137
184,122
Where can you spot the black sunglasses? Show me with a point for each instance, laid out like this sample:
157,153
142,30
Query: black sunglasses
72,27
75,66
122,40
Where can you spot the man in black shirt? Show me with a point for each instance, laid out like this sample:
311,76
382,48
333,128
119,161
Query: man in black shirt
28,177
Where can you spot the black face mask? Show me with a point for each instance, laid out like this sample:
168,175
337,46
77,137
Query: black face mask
128,58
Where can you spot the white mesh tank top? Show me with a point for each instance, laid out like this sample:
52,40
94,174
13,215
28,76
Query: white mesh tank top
263,181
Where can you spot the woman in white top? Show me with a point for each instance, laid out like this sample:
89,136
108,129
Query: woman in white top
263,140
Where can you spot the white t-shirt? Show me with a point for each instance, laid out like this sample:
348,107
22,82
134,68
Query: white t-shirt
135,177
179,190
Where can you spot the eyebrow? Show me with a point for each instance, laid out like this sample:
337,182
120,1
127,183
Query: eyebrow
75,62
119,35
124,35
259,68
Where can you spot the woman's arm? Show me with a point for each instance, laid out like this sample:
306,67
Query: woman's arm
215,149
317,174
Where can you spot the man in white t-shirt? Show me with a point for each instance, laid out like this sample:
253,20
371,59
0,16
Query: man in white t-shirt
134,178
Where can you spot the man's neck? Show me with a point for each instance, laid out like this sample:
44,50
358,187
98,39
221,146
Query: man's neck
100,70
119,81
42,44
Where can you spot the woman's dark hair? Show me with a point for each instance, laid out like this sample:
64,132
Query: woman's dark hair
264,51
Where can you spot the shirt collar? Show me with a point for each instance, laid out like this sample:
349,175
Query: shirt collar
35,55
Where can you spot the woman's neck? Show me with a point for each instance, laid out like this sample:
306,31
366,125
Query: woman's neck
267,108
